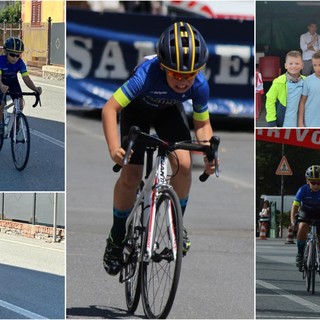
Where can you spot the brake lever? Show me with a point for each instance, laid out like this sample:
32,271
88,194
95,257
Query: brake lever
130,140
212,155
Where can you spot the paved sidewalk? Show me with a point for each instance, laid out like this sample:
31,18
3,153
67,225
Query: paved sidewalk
32,254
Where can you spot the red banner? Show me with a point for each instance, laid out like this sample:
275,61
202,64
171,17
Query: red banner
307,138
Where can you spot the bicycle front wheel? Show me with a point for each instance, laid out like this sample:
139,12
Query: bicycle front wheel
314,267
160,276
309,265
20,142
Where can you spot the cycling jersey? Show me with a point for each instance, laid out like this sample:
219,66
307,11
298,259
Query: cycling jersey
308,199
9,71
149,84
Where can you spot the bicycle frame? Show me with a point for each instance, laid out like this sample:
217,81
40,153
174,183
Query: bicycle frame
12,117
156,181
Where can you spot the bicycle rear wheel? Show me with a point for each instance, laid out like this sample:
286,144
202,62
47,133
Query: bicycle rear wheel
160,276
20,144
134,243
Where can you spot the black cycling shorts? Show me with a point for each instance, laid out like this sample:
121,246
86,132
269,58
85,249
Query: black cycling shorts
14,88
168,123
309,215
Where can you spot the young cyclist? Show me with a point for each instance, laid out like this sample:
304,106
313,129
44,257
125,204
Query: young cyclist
307,202
10,64
150,98
284,95
309,107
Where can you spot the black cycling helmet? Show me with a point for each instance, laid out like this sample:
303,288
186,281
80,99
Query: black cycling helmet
313,172
181,48
14,45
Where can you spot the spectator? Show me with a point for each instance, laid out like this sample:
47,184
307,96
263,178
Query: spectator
309,44
284,95
309,111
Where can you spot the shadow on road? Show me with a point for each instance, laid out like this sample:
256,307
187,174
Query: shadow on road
99,312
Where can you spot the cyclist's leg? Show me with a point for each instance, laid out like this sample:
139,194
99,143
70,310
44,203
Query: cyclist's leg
124,192
16,91
301,238
172,127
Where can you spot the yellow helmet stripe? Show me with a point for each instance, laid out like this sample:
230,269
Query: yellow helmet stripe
177,45
193,48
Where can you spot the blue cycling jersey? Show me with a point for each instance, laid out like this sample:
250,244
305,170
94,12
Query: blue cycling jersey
308,199
9,71
150,85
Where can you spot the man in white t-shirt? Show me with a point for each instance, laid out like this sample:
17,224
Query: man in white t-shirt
309,44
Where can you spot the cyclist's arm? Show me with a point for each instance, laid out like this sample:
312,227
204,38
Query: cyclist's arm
3,87
203,131
302,104
294,211
110,128
29,83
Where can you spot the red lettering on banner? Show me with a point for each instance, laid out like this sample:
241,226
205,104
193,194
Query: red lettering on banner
307,138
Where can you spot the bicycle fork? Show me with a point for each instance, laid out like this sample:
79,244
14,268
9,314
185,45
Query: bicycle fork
160,183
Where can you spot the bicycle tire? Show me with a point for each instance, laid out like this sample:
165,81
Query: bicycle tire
20,147
313,269
308,266
133,285
158,292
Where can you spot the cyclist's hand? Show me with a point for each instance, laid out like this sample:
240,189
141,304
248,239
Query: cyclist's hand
4,88
209,166
39,90
118,154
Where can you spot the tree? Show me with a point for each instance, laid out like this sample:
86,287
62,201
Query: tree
11,12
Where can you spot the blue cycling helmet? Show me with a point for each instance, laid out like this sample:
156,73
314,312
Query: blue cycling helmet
13,44
313,172
181,48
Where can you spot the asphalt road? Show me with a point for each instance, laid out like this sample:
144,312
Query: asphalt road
217,279
280,290
32,278
45,170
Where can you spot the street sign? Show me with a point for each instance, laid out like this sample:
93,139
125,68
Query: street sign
284,168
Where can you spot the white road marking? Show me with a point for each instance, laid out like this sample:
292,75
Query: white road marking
24,312
32,245
48,138
285,294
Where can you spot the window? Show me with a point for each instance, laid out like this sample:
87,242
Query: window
36,13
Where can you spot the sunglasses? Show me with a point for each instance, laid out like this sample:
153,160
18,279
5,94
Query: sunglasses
181,76
315,183
14,55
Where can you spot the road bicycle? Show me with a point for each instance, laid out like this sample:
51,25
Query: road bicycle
15,126
154,229
311,255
